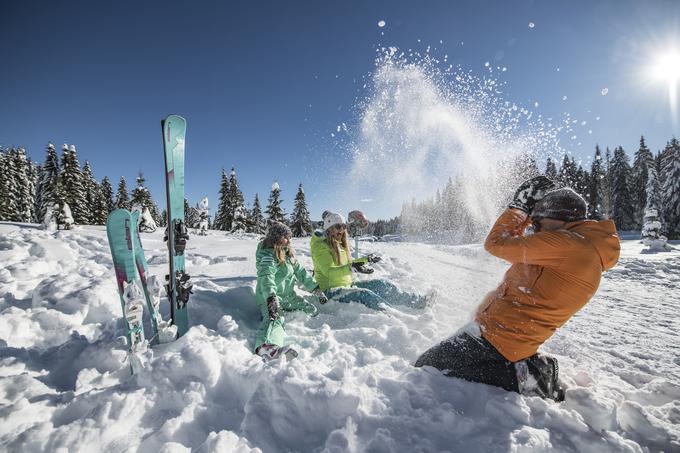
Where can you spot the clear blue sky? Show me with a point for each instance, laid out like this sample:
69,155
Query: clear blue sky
263,84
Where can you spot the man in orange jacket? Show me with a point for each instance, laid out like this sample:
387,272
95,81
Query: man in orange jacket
554,273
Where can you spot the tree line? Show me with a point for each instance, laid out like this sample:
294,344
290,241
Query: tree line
613,188
232,214
28,191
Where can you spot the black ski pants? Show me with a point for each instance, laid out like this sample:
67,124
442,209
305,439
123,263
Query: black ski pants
471,358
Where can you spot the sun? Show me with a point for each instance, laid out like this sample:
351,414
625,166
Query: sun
666,66
665,69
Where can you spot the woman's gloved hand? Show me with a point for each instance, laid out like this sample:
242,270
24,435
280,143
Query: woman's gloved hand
320,294
273,306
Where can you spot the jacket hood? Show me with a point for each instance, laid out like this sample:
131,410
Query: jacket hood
602,235
318,236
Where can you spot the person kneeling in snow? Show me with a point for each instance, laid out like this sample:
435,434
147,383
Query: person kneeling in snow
333,270
554,273
277,273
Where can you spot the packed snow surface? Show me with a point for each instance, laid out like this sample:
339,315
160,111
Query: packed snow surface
65,384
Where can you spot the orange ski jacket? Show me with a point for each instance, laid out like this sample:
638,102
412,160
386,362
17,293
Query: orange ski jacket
553,275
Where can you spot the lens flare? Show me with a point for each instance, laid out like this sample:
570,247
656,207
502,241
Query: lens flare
666,69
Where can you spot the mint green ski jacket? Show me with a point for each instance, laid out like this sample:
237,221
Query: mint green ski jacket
279,278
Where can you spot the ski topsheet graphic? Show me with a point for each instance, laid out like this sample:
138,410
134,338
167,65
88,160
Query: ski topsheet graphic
178,286
120,229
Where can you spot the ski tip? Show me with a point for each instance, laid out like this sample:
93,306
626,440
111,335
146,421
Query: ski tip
173,117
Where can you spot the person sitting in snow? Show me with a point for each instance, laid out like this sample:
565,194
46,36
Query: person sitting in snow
554,273
333,266
277,273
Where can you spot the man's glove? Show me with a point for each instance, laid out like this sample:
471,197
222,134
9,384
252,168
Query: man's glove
362,268
320,294
373,258
529,192
273,307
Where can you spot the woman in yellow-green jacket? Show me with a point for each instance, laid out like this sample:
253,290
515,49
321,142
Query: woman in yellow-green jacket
333,266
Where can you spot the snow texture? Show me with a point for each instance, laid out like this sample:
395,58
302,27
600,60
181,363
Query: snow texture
65,385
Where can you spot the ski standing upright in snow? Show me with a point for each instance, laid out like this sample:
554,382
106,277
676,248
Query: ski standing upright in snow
120,229
177,285
151,286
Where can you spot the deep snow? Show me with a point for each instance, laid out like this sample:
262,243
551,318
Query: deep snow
64,383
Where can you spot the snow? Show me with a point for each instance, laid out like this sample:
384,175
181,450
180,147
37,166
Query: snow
604,91
64,383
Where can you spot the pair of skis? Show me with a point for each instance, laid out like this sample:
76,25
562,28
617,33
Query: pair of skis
135,286
129,261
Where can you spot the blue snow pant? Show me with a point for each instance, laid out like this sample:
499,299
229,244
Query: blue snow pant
373,293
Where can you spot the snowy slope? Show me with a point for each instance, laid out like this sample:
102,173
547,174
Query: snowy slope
64,383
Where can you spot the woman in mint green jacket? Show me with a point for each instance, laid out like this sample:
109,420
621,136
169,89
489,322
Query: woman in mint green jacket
278,271
333,266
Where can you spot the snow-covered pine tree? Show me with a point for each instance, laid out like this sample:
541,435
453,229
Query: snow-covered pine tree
5,194
37,200
595,179
652,228
222,219
568,172
256,223
164,218
641,163
582,181
33,175
191,215
450,206
300,223
239,223
91,194
49,181
122,197
236,201
142,197
101,211
202,208
623,212
107,195
651,233
71,181
607,186
670,191
654,199
550,169
61,210
274,211
22,188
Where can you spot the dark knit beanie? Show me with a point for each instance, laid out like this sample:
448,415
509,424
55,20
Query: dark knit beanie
561,204
275,233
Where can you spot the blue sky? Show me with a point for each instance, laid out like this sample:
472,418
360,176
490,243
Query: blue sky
263,84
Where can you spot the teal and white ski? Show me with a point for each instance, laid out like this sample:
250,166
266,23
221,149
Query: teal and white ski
120,228
177,286
151,286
